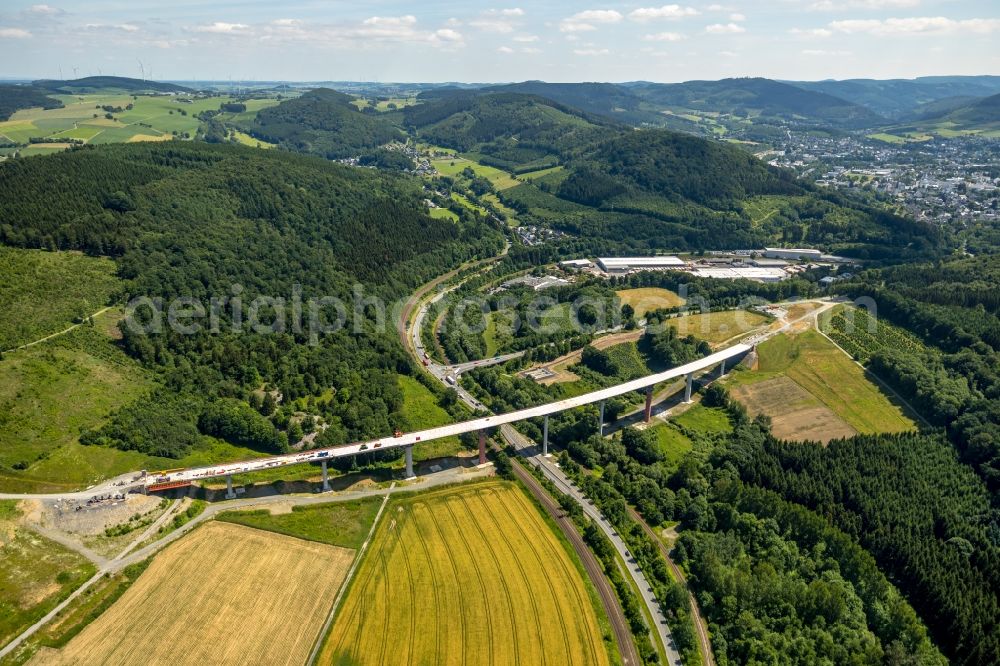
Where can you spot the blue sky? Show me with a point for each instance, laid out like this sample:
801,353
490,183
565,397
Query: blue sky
391,40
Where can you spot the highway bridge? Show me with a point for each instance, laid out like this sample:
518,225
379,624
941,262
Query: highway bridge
179,477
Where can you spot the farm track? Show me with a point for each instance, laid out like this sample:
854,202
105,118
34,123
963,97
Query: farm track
612,608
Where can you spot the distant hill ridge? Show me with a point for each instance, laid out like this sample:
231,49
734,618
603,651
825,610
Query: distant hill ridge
103,82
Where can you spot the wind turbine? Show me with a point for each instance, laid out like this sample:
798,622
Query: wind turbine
142,70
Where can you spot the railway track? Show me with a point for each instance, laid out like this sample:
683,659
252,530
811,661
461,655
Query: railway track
700,626
619,625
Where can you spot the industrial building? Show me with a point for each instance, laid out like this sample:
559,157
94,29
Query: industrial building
794,254
618,265
757,274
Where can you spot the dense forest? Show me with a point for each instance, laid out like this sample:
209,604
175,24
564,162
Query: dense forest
216,221
777,582
323,122
949,366
15,97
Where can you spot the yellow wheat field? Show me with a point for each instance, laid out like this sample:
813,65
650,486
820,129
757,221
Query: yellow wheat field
466,576
225,594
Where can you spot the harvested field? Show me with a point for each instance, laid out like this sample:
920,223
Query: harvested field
815,375
644,299
718,327
223,594
469,575
795,414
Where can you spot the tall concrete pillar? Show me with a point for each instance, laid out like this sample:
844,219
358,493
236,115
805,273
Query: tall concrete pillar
722,368
482,447
688,386
545,436
326,478
229,487
408,451
648,414
600,425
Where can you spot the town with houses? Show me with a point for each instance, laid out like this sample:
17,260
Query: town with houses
953,182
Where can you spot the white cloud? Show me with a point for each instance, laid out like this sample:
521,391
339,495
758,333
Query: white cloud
497,20
644,14
811,32
447,37
737,17
526,39
505,49
222,28
584,21
124,27
822,52
725,29
591,52
729,54
286,22
45,10
927,25
531,50
664,37
597,16
840,5
14,33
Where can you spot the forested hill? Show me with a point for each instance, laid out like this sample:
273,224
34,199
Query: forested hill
92,83
626,189
759,98
191,219
896,98
604,99
323,122
512,131
15,97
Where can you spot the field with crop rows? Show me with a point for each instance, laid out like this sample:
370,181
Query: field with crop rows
223,594
469,575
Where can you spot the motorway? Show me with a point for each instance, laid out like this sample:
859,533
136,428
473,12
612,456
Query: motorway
480,424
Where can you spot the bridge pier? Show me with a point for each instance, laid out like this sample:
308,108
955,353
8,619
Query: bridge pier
482,447
648,413
229,487
408,451
326,478
545,436
722,369
687,388
600,425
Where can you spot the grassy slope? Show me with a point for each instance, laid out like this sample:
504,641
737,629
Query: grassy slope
338,524
41,292
35,573
51,392
833,378
150,117
421,411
